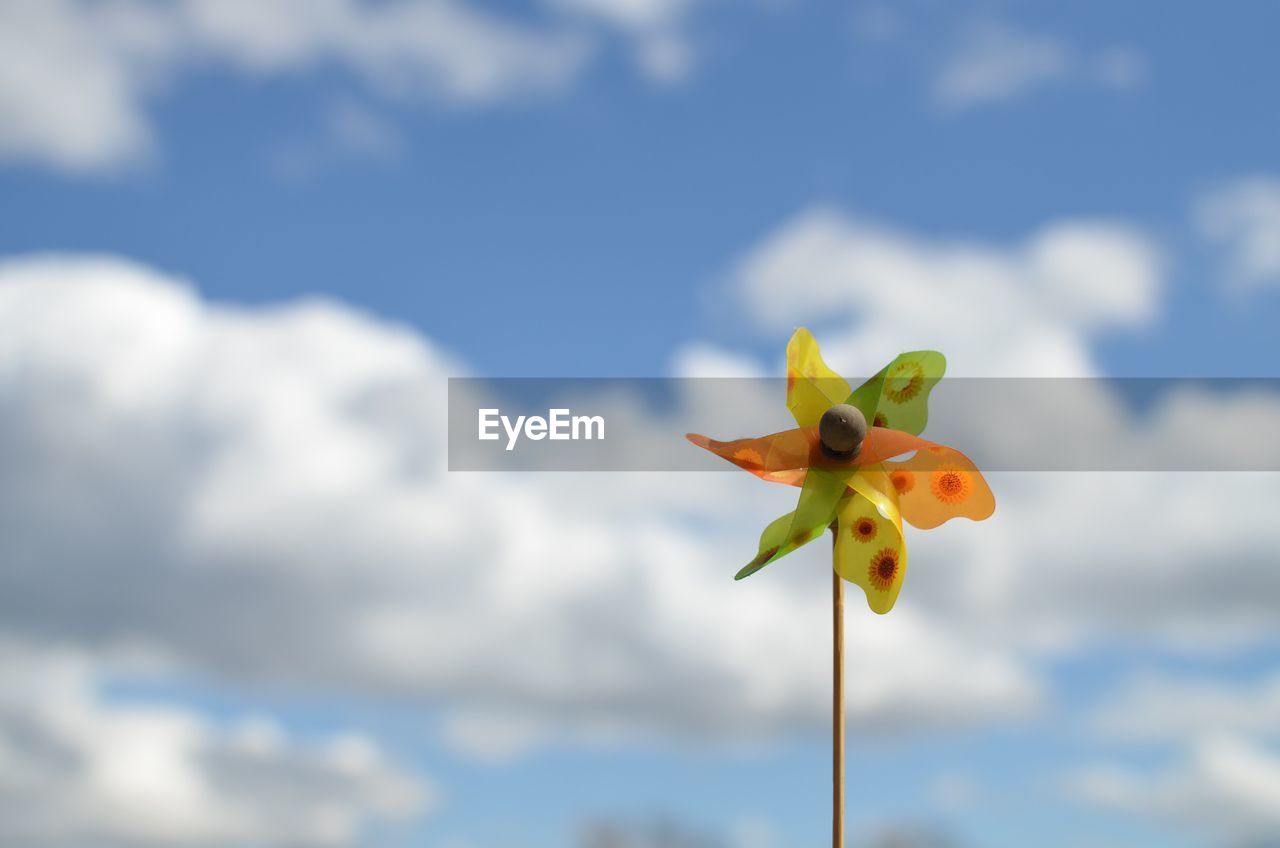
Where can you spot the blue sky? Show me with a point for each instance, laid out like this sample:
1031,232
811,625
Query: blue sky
621,196
623,219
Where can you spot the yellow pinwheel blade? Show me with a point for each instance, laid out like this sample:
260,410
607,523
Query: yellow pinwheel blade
937,484
870,549
812,387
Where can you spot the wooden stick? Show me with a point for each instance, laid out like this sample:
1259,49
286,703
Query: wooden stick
837,706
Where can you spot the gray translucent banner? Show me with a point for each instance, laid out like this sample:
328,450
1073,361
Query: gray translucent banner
1095,424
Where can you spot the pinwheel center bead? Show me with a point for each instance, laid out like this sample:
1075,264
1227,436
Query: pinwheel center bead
841,430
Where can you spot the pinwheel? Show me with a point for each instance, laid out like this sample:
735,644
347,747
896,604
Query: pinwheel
861,482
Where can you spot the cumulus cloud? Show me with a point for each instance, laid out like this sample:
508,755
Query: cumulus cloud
1161,708
76,77
997,62
1025,310
1227,787
1224,776
76,769
259,496
1242,218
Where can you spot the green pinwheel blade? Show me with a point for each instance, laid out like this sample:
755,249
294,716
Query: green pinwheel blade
867,396
898,396
813,514
771,542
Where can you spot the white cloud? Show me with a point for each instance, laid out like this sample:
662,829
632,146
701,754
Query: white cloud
998,62
409,47
636,15
1026,310
1158,708
284,469
701,361
1224,777
259,495
495,737
1243,219
76,769
656,27
188,464
76,77
1227,786
66,97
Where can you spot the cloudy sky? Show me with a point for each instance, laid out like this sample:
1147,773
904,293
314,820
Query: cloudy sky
243,243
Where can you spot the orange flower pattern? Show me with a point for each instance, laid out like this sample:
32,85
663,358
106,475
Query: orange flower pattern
883,569
904,382
864,529
950,485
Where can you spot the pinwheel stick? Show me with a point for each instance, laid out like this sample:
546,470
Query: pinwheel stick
842,430
837,703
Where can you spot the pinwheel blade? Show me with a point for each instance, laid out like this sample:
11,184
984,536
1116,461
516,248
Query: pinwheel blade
937,484
867,396
819,499
812,387
780,457
772,541
883,443
870,551
901,391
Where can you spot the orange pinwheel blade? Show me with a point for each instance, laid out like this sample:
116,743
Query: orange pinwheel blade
937,484
882,443
780,457
786,457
